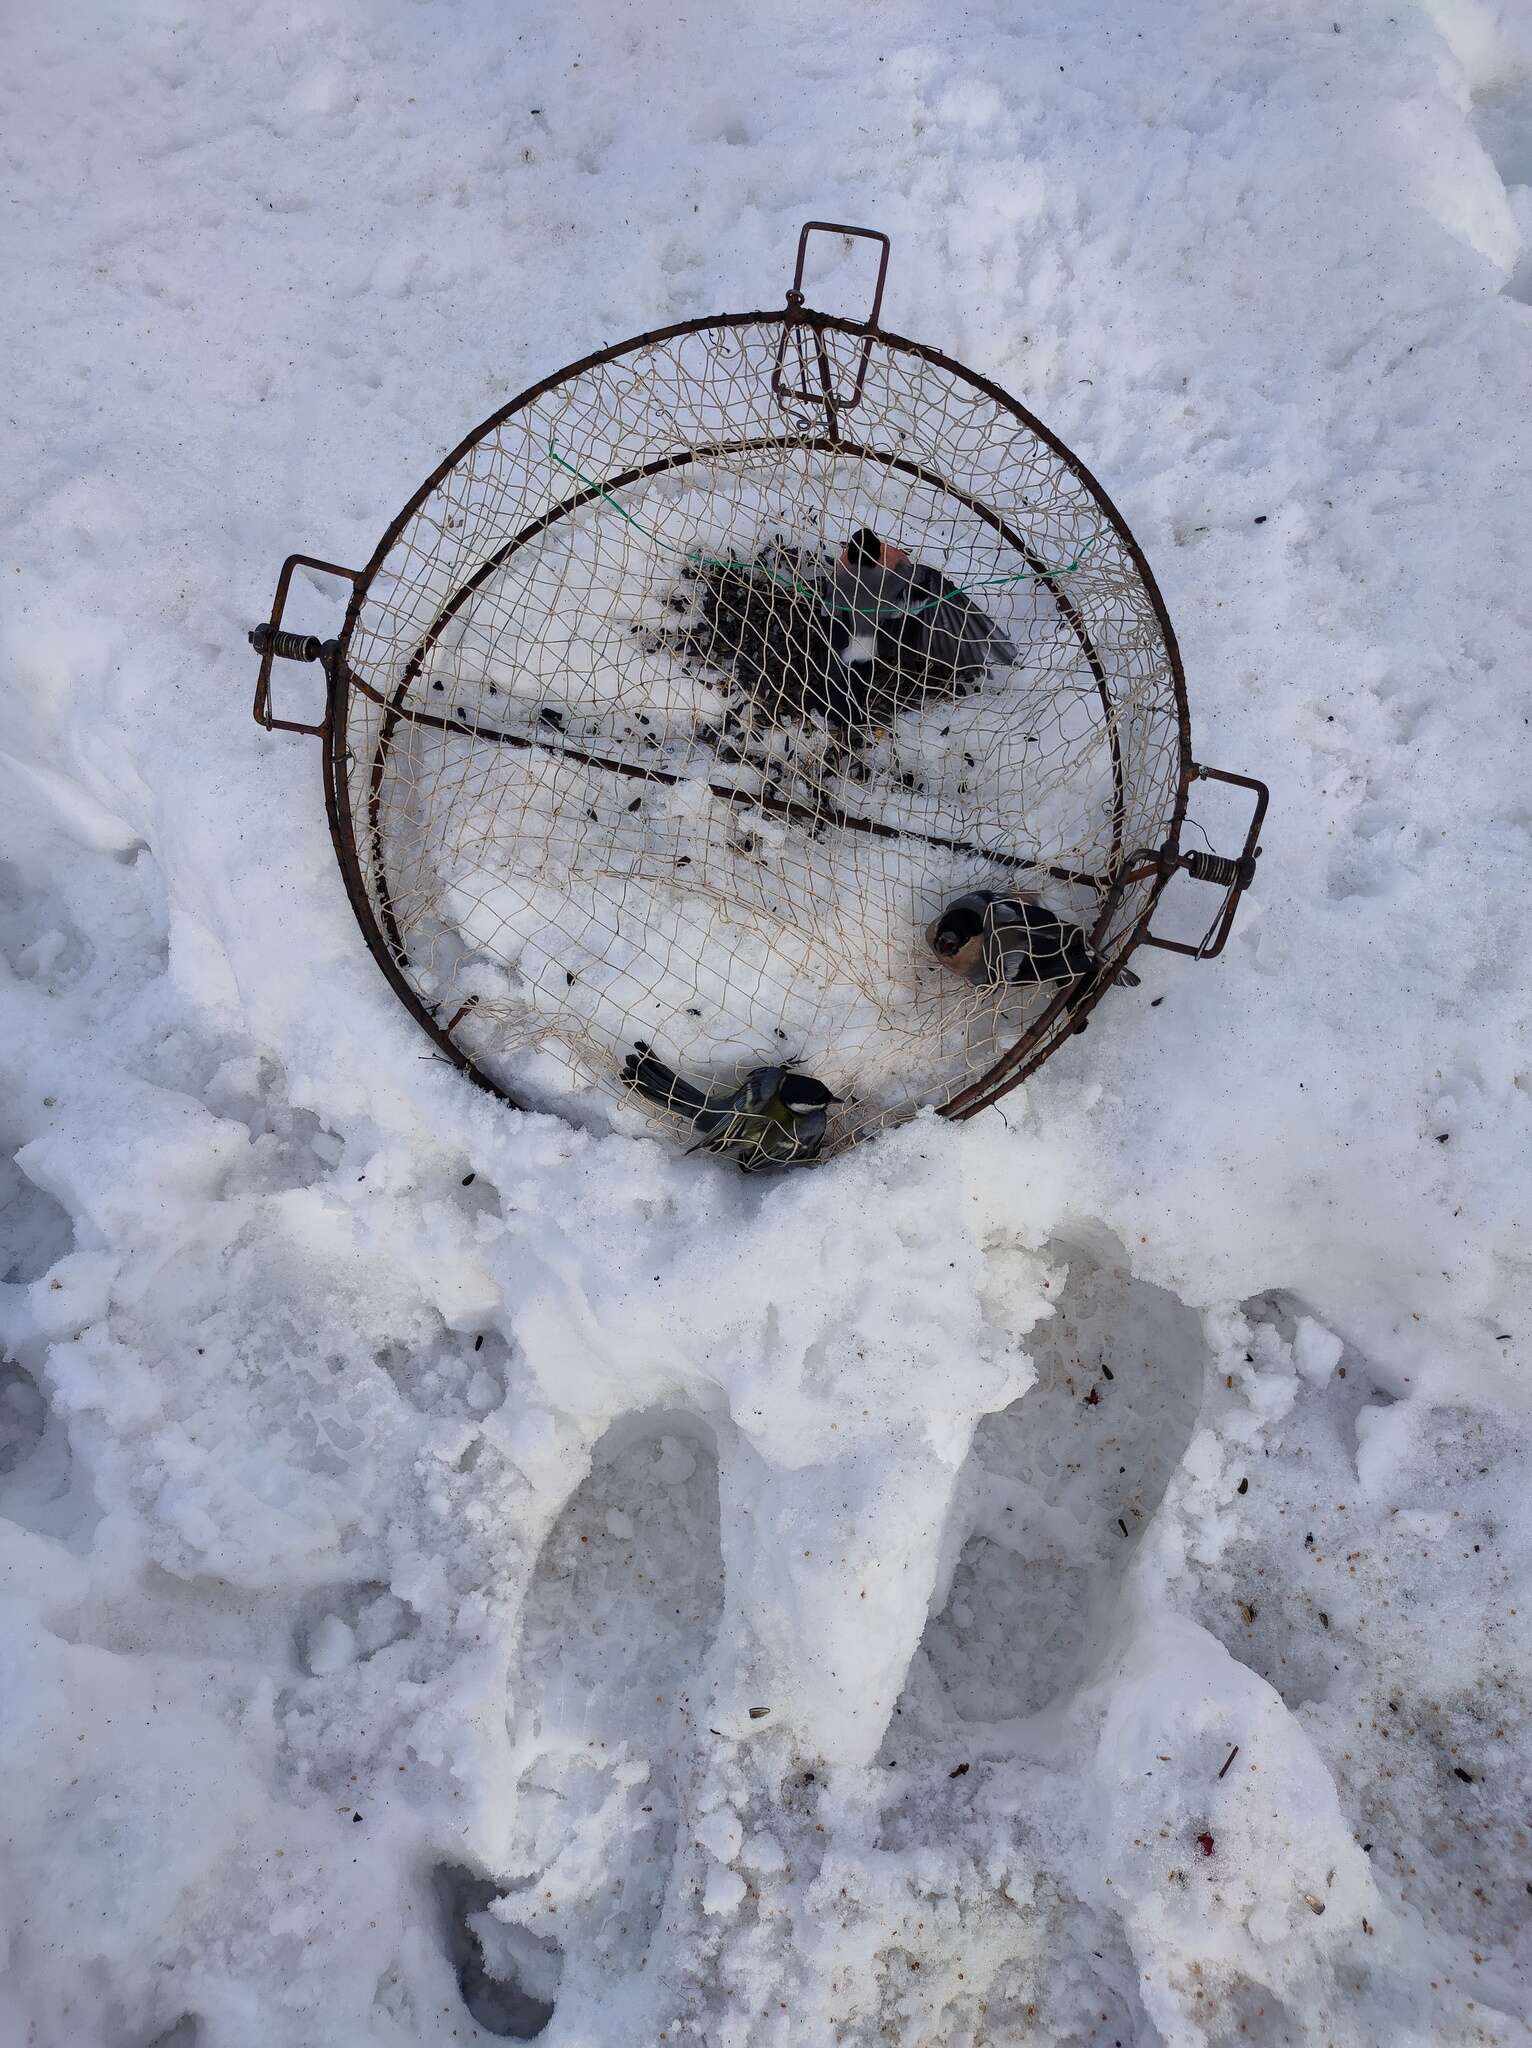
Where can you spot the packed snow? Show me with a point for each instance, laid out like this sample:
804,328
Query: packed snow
1060,1579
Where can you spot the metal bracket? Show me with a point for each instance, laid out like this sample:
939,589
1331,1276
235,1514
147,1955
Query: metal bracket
799,321
272,643
1232,873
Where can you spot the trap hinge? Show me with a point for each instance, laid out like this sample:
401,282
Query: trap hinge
291,646
1222,868
272,642
1233,873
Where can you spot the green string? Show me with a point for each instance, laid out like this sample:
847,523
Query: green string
787,582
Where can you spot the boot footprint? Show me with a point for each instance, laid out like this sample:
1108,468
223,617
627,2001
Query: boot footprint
623,1605
1059,1487
507,1978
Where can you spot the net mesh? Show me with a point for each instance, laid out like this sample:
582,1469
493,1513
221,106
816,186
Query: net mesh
645,746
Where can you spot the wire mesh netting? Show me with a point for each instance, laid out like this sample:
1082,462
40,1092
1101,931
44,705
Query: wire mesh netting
675,713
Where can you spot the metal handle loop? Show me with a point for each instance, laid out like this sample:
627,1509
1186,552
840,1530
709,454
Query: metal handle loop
798,317
271,642
1233,873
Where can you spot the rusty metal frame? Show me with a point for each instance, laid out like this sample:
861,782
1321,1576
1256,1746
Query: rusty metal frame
271,641
1233,874
797,319
1070,1010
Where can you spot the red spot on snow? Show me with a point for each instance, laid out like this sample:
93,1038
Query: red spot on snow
1205,1844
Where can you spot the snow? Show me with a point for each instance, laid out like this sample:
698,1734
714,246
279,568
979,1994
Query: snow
1118,1504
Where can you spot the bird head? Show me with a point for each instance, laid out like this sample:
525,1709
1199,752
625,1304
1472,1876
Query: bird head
958,926
864,551
801,1093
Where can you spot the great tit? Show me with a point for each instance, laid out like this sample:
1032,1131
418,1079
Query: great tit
774,1117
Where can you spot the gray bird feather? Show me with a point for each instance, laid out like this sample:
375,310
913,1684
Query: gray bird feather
927,635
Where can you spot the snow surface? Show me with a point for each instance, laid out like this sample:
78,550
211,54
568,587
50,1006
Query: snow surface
1063,1579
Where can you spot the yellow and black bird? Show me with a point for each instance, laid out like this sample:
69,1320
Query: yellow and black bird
774,1117
996,941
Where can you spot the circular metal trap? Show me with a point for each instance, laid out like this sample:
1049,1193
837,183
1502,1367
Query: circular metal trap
692,688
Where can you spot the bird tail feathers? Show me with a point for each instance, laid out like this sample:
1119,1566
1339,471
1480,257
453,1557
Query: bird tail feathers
660,1084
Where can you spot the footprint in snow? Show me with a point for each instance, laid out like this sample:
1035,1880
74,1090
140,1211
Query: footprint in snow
1058,1490
623,1605
42,1487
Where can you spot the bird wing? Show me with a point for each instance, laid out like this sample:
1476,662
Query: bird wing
960,635
738,1118
1014,909
784,1137
1035,946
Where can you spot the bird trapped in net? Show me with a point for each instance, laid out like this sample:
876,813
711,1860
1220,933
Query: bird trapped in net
764,726
851,640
